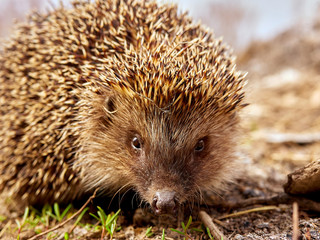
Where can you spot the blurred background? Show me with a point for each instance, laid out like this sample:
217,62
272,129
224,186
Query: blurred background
239,21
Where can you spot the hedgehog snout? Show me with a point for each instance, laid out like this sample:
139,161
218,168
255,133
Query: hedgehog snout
165,202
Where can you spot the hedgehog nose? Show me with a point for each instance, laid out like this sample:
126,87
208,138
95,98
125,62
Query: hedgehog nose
164,202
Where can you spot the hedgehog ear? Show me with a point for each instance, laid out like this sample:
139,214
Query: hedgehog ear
234,115
110,103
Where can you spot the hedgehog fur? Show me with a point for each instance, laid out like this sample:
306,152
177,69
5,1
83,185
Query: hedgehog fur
116,94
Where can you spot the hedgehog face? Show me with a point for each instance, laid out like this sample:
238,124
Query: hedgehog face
167,156
174,159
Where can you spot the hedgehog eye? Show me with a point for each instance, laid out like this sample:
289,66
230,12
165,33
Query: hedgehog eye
199,146
136,143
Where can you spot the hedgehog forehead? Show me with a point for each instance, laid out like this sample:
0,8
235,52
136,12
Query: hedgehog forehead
175,84
161,84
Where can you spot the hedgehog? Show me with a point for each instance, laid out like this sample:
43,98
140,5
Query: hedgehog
117,95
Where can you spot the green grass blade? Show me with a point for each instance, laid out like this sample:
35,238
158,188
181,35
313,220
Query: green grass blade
18,223
113,217
177,231
56,210
81,215
209,233
189,223
52,215
102,220
108,217
65,211
66,236
163,235
149,232
91,214
112,228
183,226
196,229
25,215
47,208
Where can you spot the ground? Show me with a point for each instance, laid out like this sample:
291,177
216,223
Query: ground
283,93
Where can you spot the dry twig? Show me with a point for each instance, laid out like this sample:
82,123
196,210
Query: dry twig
259,209
295,220
207,221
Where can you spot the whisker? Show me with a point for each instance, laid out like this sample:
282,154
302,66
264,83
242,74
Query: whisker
118,191
122,196
135,196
